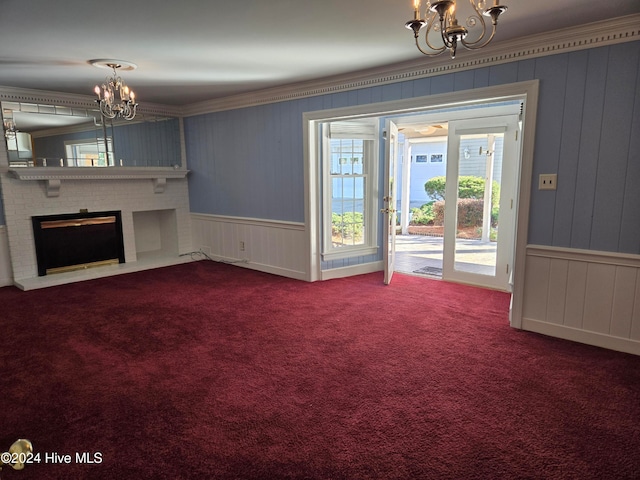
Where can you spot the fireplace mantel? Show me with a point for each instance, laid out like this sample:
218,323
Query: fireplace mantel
53,176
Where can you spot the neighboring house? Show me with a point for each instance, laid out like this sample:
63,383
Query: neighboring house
248,181
429,159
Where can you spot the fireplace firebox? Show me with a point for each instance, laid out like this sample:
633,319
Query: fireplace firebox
75,241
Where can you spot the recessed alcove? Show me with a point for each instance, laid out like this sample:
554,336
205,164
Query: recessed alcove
156,233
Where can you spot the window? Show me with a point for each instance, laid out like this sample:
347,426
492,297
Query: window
88,153
350,177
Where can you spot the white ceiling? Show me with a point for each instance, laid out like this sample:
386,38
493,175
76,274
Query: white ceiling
196,50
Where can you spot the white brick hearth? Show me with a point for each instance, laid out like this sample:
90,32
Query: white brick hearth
156,223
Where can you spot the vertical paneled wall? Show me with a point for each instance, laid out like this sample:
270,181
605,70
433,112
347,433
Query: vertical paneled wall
589,108
248,162
582,295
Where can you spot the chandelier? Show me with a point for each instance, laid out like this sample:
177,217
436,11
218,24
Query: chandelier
116,100
10,129
441,17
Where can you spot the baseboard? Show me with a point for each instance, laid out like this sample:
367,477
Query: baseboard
270,246
283,272
351,270
582,336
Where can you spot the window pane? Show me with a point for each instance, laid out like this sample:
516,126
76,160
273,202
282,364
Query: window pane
347,192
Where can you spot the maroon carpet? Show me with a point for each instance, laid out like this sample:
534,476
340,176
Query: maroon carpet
212,371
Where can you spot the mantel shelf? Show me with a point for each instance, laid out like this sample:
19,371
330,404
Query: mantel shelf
53,176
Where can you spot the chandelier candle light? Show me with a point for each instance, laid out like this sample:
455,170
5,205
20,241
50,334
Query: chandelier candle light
115,98
441,17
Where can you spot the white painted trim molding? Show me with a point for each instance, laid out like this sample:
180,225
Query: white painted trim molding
581,336
53,176
525,91
271,246
352,270
606,32
586,296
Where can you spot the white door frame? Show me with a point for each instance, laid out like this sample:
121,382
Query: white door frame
526,91
505,244
390,199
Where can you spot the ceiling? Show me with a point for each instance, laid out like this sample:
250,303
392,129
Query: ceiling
194,50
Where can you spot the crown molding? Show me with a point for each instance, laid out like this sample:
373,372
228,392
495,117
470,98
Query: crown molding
607,32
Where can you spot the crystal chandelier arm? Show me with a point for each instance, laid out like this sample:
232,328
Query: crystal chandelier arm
474,45
493,12
442,17
478,14
429,54
416,25
445,21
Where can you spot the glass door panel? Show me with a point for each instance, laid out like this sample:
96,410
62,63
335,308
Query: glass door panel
480,201
477,200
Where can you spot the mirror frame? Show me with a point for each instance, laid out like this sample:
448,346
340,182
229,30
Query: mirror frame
80,102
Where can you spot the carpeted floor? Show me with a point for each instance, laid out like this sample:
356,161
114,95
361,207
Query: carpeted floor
207,370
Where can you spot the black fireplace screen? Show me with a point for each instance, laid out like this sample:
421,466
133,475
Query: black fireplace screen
77,240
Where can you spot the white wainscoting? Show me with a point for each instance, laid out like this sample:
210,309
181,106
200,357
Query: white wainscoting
586,296
269,245
6,277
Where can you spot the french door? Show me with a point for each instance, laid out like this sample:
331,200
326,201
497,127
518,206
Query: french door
480,227
390,198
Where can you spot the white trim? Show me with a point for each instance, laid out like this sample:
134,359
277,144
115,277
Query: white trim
523,190
249,221
271,246
580,255
523,90
370,174
53,176
583,295
607,32
262,267
95,173
349,252
505,244
582,336
343,272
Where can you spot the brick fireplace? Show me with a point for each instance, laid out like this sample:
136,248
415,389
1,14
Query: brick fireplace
154,211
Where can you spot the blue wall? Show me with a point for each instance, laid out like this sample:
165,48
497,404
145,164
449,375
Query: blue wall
249,162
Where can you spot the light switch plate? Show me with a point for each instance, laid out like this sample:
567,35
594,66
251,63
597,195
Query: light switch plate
548,181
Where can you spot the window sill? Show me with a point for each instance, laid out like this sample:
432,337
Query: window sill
348,252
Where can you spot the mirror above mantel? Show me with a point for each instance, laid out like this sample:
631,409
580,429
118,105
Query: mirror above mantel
39,135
